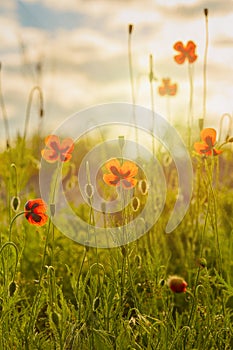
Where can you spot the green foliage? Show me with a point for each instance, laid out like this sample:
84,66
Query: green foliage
57,294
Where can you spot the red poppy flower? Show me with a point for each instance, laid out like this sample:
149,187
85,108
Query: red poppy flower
167,88
35,212
177,284
187,51
56,151
121,174
206,147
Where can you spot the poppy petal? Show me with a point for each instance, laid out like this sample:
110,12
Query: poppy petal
51,140
41,206
179,58
208,133
49,155
216,151
111,179
67,145
162,90
201,148
190,51
178,46
130,168
113,163
36,219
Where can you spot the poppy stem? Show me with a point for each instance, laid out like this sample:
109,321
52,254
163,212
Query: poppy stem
28,110
151,78
130,29
12,221
4,113
205,64
190,112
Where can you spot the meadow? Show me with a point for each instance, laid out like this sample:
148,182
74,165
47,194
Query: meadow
161,291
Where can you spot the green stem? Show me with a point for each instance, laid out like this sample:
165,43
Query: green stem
205,65
4,113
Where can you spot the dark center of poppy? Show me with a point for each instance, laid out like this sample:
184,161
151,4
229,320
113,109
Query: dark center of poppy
208,141
116,172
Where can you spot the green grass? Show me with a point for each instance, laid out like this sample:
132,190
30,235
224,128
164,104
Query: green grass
57,294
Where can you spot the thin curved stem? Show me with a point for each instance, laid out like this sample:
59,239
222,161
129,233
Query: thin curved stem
28,110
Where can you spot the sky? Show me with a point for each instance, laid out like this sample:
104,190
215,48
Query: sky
77,52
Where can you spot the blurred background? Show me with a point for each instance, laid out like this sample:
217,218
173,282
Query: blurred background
76,51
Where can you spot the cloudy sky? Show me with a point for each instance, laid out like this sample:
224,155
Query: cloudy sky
77,52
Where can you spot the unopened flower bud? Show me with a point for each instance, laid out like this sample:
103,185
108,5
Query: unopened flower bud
12,288
177,284
15,203
130,28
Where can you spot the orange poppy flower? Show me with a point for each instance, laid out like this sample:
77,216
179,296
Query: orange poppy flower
177,284
187,51
167,88
121,174
56,151
206,147
35,212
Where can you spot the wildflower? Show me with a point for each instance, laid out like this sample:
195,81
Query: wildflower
167,88
206,147
121,174
35,212
56,151
187,51
177,284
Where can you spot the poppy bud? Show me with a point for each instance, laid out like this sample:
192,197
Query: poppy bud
15,203
135,204
201,123
143,186
55,318
177,284
89,190
12,288
130,28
